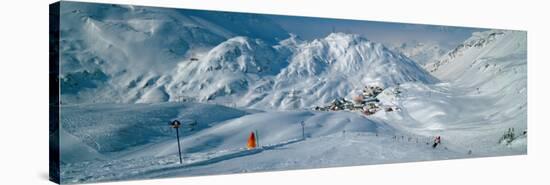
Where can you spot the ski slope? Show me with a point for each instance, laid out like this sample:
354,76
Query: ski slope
332,139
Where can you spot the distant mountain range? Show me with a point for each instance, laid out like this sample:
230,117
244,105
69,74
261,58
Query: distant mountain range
126,54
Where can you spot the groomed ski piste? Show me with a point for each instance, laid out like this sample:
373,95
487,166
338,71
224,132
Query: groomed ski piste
223,84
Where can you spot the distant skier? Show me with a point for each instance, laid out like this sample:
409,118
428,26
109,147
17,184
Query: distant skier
437,141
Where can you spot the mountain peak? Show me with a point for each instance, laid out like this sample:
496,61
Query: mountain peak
344,39
343,36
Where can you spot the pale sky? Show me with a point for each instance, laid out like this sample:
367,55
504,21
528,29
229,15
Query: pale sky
309,28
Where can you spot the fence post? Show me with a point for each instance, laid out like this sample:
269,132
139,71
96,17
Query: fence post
257,138
303,130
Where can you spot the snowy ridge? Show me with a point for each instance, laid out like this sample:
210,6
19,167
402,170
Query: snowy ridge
124,57
484,91
226,69
421,52
116,54
496,64
336,66
478,41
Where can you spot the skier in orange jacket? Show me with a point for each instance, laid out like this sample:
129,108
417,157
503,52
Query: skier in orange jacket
251,141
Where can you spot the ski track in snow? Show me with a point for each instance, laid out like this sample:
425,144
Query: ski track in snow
199,164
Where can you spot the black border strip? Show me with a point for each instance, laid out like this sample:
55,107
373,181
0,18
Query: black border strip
54,35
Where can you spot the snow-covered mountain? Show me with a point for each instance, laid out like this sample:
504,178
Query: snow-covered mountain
471,49
492,62
121,54
335,66
293,74
421,52
109,50
483,90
